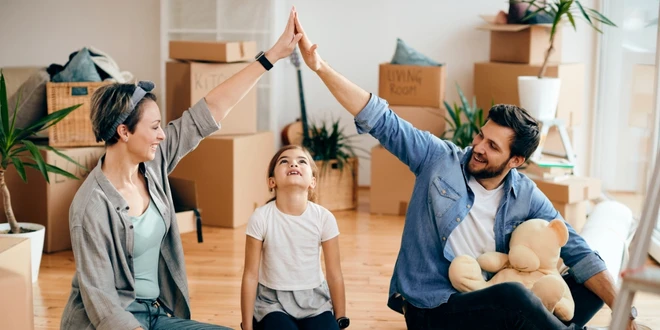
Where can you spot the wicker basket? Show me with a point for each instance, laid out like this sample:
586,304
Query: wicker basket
75,130
337,190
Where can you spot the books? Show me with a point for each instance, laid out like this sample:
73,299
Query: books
549,170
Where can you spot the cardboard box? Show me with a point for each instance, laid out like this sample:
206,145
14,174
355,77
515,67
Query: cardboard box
392,183
184,196
16,283
189,82
413,85
48,204
424,118
230,174
213,51
575,213
498,83
521,43
571,190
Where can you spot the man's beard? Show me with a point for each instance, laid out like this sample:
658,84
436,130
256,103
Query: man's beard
487,172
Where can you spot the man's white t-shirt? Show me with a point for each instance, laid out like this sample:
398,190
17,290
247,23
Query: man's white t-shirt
475,235
291,252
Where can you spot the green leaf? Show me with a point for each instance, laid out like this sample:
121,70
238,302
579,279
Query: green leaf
601,18
54,169
19,168
46,122
36,155
10,133
570,18
464,101
555,22
452,113
16,151
584,13
59,153
451,123
4,106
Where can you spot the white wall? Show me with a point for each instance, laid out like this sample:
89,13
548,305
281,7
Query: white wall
355,36
38,32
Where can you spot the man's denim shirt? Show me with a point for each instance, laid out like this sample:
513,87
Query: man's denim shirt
441,199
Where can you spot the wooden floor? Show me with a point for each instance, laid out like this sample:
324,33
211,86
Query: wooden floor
369,245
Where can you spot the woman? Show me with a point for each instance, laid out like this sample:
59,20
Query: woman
130,272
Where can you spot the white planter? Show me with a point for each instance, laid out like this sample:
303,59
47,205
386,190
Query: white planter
36,243
539,96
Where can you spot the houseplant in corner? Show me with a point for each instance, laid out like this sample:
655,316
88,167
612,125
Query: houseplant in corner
17,150
336,159
539,94
464,120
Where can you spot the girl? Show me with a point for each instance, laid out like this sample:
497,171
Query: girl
285,289
130,271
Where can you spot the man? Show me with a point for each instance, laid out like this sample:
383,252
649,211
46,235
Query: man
467,202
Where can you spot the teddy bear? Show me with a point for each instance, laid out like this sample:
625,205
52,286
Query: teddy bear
532,260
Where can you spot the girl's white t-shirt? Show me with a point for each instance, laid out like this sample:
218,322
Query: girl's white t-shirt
291,252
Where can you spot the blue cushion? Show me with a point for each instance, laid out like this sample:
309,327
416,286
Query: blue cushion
80,68
405,55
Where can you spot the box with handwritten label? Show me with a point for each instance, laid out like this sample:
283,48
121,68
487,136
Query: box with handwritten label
412,85
189,82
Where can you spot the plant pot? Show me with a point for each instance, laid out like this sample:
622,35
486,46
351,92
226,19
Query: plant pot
36,243
337,189
539,97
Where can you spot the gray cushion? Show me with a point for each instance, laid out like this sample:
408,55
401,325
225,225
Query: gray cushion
406,55
80,68
32,104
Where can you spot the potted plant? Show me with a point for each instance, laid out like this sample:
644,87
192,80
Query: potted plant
336,159
17,150
464,120
539,94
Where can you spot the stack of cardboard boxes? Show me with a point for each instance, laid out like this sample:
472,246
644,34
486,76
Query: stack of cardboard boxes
519,50
416,94
571,197
229,168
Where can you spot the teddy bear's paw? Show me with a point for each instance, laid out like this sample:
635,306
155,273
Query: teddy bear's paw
465,274
550,290
564,311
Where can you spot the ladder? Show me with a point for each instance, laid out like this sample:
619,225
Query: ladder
636,276
565,139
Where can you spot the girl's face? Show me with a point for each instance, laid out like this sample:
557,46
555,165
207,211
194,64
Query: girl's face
292,169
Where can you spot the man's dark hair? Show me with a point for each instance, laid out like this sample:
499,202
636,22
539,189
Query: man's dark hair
527,134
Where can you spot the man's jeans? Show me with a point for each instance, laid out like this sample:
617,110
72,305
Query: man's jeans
154,317
502,306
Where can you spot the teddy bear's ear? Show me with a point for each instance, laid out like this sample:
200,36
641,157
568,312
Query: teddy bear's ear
560,229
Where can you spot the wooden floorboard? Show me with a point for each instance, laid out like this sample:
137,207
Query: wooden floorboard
369,246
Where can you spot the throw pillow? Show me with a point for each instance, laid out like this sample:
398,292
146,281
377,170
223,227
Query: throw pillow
406,55
80,68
